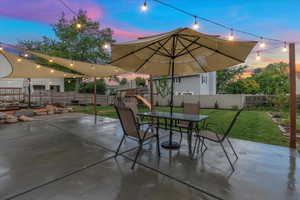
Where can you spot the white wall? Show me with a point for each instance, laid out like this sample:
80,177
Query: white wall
20,83
201,84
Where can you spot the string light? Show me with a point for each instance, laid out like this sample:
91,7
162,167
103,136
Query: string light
51,60
69,81
284,48
52,71
196,25
71,64
26,55
144,7
19,59
78,25
258,57
262,44
106,46
1,48
231,36
38,66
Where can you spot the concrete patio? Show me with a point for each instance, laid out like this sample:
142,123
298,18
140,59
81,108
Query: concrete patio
69,157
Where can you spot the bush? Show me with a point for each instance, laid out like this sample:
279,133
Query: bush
89,87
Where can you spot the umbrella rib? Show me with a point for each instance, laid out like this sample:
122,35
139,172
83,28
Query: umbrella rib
198,47
136,51
151,55
215,50
192,56
185,48
161,53
166,50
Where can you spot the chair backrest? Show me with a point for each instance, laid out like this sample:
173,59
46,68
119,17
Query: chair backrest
232,123
128,121
191,108
133,106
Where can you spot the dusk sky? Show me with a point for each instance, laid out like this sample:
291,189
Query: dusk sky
31,19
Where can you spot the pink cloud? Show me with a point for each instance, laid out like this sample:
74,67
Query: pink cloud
130,34
46,10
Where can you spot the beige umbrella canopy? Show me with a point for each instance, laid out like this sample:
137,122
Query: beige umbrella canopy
89,69
24,68
182,51
193,52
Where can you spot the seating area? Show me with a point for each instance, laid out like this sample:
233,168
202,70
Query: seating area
47,165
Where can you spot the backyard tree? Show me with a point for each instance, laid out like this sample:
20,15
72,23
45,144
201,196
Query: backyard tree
140,82
89,87
82,43
243,86
273,79
226,76
123,81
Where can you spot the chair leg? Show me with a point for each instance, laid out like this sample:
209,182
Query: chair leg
118,149
227,156
158,145
203,144
137,154
195,145
230,144
180,130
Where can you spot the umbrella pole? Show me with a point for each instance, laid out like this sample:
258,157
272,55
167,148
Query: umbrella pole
95,99
170,144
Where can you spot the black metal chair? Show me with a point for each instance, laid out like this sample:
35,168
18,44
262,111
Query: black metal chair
217,136
133,131
192,109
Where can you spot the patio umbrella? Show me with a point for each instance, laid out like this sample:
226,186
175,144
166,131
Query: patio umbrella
89,69
17,67
179,52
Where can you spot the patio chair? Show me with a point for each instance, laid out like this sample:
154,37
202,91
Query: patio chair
217,136
132,131
192,109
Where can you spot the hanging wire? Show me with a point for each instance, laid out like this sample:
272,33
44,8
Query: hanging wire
216,23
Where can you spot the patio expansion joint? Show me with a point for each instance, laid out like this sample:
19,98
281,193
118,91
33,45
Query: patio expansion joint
175,179
110,157
146,166
76,171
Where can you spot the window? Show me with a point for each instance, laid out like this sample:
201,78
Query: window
204,79
39,87
55,88
178,80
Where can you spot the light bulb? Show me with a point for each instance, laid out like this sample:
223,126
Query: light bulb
231,36
284,48
52,71
51,60
19,59
144,7
106,46
78,25
262,45
196,25
69,81
71,64
1,48
26,55
38,66
258,57
65,75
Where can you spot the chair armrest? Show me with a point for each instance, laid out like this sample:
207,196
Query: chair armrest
211,125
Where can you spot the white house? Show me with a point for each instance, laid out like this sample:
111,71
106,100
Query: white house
54,84
197,84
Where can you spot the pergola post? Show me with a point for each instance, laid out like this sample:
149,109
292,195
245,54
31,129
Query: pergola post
95,99
293,97
151,92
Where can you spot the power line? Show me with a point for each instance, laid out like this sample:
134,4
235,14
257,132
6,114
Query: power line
68,7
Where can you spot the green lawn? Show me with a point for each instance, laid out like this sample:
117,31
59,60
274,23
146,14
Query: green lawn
252,125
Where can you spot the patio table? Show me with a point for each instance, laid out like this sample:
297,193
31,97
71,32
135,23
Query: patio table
192,119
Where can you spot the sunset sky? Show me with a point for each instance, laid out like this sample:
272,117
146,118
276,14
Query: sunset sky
32,19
